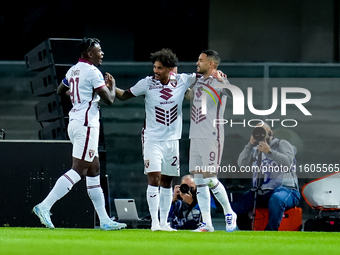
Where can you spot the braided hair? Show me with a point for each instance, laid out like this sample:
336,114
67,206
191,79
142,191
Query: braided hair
86,44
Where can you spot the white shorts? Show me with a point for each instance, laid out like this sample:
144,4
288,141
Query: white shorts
205,154
84,139
161,157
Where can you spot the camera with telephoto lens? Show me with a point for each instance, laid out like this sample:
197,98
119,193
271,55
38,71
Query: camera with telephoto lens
260,134
184,188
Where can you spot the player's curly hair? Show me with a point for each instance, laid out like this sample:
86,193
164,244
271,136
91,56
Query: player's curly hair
166,57
86,44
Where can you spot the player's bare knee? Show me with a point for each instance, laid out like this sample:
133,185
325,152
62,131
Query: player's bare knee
94,168
166,181
93,172
154,178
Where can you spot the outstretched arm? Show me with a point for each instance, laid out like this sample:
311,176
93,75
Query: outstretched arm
123,94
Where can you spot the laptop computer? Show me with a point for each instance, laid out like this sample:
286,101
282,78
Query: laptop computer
126,209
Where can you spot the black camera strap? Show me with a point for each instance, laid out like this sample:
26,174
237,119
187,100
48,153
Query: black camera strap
260,176
258,185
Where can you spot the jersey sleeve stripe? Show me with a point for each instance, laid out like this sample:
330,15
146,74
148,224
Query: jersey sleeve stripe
102,86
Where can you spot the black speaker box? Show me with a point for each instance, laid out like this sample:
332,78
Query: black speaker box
53,51
49,108
30,179
45,82
54,131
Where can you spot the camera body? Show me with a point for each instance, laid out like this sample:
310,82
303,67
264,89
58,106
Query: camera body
184,188
260,134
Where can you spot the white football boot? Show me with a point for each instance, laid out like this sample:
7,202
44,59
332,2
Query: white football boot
204,228
230,219
44,216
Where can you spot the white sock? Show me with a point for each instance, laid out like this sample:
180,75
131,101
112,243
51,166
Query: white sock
95,192
203,198
152,196
165,199
62,186
220,193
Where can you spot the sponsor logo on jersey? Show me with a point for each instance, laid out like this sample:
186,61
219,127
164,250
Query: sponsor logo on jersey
199,92
166,117
151,87
166,93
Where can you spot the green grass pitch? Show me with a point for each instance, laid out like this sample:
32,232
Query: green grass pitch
42,241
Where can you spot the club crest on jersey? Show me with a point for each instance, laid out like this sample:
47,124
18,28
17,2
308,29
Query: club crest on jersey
147,163
173,82
91,153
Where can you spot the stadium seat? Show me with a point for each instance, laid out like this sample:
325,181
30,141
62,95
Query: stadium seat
322,193
291,221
